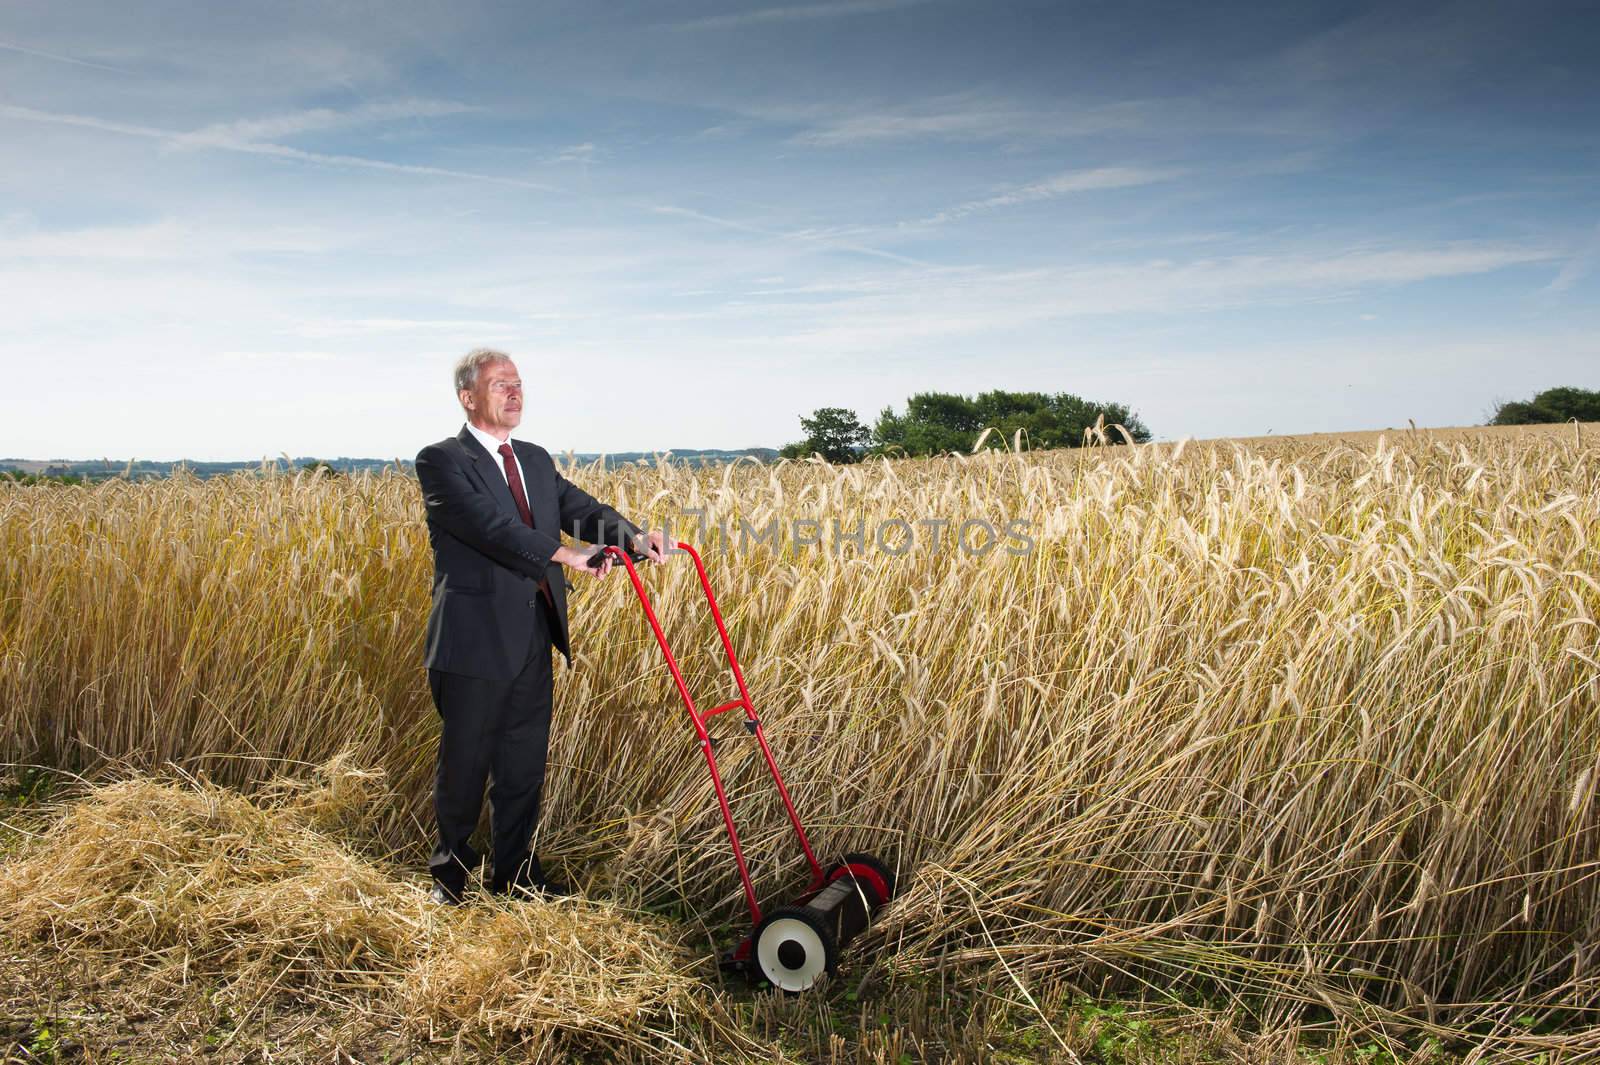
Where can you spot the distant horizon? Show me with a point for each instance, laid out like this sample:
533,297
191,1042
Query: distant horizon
285,456
1405,426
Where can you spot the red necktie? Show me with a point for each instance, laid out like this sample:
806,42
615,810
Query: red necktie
514,479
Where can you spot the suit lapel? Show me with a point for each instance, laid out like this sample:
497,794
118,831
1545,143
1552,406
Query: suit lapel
488,470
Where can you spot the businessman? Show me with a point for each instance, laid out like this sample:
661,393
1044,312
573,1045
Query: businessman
496,509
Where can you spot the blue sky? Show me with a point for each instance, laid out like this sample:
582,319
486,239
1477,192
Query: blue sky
232,231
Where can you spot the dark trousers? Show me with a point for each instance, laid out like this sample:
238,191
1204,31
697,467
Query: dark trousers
495,730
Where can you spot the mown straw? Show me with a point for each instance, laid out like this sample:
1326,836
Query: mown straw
191,889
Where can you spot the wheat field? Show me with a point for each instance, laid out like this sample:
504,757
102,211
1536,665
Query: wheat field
1304,731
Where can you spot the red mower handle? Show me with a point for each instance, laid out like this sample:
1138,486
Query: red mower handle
699,717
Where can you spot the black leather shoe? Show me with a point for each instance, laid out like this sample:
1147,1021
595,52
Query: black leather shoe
444,895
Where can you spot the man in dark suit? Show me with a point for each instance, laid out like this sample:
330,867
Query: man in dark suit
496,509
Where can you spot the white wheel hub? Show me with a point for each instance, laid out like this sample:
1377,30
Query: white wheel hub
791,954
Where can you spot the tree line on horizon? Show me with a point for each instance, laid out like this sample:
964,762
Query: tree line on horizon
935,423
1551,405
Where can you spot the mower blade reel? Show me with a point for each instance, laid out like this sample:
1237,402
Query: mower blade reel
843,907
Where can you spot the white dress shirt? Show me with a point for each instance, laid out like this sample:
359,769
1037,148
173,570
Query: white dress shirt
492,444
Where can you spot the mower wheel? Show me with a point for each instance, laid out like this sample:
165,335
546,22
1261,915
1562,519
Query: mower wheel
792,948
870,873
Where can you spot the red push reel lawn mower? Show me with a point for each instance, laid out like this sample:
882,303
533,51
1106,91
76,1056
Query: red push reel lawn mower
792,945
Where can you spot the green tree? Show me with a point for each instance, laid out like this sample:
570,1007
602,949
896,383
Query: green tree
934,422
1551,405
832,432
937,422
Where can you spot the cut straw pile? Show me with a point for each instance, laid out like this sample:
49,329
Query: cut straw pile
162,891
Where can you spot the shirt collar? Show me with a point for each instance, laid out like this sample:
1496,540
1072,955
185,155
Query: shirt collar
490,444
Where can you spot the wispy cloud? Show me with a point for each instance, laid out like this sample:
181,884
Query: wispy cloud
879,312
189,139
1066,184
357,327
165,240
1364,266
217,140
276,127
29,114
277,356
967,117
798,12
800,237
577,153
736,128
1577,266
57,57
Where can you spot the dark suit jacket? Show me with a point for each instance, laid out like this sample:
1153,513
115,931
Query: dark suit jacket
487,563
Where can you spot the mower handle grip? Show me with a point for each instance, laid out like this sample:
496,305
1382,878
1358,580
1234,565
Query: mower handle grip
600,556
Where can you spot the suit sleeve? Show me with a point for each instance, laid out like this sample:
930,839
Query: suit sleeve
460,510
589,519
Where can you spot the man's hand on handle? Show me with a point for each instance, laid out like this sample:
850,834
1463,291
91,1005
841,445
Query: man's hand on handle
578,558
653,546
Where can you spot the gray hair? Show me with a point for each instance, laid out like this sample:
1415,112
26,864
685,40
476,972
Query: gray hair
472,362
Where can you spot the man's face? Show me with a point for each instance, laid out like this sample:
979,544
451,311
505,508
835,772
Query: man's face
495,405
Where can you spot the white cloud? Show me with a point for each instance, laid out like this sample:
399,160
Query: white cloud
356,327
822,241
578,153
798,12
186,140
277,356
57,57
29,114
1577,266
1073,181
963,117
165,240
882,313
227,137
252,131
